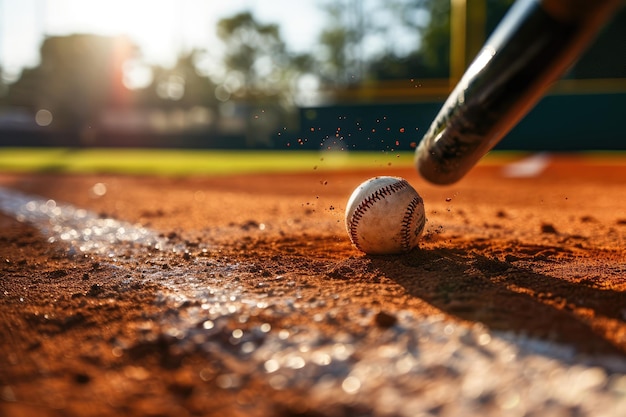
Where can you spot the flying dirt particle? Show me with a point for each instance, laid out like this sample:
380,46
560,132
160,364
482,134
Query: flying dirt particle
500,214
82,378
548,228
250,224
145,213
448,199
621,222
385,320
413,145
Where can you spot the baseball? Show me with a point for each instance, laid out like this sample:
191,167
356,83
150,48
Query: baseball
385,215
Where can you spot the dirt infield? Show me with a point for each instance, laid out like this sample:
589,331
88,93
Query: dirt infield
253,301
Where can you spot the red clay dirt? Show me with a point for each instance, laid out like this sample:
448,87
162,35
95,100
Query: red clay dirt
542,256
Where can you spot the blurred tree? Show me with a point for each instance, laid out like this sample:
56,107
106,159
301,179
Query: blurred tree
342,58
436,39
432,58
427,21
180,86
383,40
78,76
180,100
395,23
258,86
3,87
258,65
198,89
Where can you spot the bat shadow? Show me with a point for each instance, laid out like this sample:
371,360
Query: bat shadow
506,297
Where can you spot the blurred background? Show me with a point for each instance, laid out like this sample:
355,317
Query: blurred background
274,74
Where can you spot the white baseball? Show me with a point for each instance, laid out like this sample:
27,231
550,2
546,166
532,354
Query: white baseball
385,215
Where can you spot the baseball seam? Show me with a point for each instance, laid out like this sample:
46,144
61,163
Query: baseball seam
407,220
368,202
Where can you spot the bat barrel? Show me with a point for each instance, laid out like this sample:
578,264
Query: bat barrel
531,48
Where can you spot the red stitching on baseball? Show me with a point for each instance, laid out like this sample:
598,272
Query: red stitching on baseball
407,220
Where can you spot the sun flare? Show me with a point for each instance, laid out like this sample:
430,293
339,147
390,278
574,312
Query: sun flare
151,23
121,17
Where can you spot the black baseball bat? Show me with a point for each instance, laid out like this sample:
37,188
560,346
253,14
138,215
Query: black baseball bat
532,47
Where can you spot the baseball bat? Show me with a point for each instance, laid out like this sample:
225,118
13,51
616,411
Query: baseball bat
531,47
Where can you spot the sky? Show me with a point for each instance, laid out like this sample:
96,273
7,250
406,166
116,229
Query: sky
161,28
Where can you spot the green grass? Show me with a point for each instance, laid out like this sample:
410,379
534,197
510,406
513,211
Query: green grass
174,162
189,162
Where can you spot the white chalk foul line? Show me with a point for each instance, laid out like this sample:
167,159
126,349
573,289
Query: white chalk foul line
412,368
529,167
82,230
